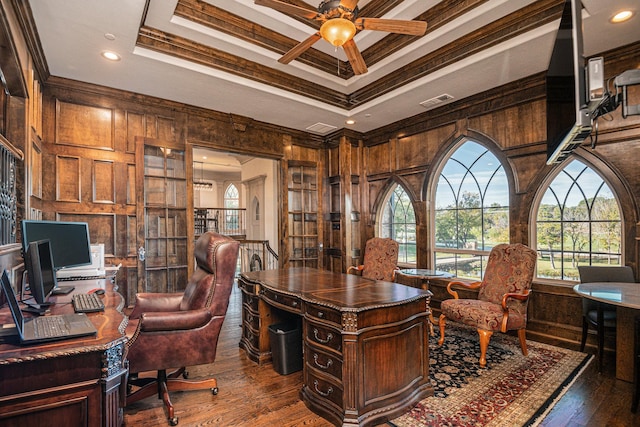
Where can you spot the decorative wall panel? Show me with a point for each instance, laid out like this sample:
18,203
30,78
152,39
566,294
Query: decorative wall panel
67,179
84,126
103,182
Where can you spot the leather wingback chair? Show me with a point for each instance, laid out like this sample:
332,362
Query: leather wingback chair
591,274
502,297
175,330
380,259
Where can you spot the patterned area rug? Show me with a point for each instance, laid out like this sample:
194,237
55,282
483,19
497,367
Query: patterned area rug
514,390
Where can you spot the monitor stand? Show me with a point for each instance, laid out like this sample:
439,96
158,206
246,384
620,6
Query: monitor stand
39,309
62,290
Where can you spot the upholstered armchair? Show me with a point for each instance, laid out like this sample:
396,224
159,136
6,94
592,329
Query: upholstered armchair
590,313
174,330
380,260
502,297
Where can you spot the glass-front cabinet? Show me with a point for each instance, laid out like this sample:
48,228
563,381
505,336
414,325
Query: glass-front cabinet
303,212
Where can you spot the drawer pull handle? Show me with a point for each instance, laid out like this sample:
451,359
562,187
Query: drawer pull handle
320,314
320,340
294,303
322,393
327,366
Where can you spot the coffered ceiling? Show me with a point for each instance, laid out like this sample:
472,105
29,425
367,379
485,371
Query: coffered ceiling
222,54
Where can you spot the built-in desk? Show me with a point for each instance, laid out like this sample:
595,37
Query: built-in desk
72,382
365,342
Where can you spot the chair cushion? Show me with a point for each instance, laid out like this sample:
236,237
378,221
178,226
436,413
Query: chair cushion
609,318
509,270
480,314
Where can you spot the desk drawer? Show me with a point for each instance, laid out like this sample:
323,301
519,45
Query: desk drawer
323,336
280,300
250,301
322,361
324,314
250,336
251,318
324,388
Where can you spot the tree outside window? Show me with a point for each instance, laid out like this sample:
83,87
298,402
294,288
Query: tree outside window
471,213
398,222
578,222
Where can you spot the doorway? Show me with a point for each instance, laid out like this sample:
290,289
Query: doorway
237,195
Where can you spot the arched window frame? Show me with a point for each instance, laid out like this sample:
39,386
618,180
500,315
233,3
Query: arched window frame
470,262
397,204
585,258
231,200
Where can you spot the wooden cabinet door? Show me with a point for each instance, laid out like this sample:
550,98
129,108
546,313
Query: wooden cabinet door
162,216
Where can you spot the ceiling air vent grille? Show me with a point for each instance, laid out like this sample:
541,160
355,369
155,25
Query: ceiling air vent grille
430,103
321,128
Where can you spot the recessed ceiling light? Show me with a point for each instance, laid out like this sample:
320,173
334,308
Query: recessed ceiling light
621,16
111,56
350,121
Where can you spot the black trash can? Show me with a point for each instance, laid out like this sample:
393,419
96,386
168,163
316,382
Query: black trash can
286,347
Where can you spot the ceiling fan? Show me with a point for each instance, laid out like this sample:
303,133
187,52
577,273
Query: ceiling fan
340,23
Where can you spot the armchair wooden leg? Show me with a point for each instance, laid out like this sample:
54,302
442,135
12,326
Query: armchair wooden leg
522,335
441,323
485,337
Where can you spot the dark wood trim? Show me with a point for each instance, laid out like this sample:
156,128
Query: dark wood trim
183,48
30,32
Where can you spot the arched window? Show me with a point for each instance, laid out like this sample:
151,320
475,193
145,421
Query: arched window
231,212
471,210
231,197
398,221
578,222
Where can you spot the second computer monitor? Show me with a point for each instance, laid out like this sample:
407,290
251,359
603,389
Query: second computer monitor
40,268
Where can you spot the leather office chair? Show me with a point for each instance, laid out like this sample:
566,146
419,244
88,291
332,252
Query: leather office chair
380,260
175,330
502,298
591,274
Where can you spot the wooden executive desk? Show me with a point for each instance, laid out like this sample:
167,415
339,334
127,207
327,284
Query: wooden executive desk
366,352
71,382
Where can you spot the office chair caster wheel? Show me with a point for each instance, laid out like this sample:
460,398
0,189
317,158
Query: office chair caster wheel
173,421
214,390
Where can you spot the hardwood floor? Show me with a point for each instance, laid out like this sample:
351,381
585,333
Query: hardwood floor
257,396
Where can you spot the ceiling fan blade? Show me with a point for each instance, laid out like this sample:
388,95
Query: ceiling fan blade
288,8
398,26
349,4
355,57
298,49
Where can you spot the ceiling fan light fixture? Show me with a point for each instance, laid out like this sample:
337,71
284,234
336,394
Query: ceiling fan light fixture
338,31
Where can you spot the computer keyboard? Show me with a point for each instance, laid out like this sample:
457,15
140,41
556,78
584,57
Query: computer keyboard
87,303
46,327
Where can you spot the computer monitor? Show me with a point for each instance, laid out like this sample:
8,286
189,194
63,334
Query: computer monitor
69,241
42,276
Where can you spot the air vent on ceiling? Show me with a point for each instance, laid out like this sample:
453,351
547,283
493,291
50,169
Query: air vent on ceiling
429,103
321,128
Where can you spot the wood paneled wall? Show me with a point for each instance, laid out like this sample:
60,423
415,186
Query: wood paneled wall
510,120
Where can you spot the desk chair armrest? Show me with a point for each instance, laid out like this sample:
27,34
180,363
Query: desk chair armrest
156,302
174,321
473,285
